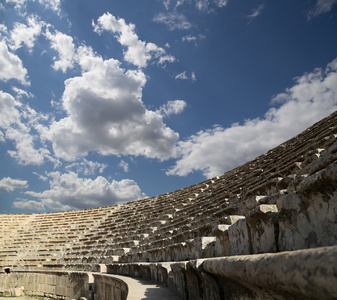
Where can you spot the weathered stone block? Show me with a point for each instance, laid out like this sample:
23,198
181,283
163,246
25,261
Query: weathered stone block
307,218
262,222
200,247
222,240
254,201
304,274
239,238
177,278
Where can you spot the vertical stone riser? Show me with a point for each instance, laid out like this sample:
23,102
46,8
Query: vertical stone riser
239,238
307,220
263,226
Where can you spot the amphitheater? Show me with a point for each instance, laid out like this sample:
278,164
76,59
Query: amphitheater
264,230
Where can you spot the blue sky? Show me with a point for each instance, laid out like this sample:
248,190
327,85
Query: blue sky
104,102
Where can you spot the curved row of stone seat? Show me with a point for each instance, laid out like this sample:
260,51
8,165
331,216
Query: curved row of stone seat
189,214
185,224
263,197
304,274
42,237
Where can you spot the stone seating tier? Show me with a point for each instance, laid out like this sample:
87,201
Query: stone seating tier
282,200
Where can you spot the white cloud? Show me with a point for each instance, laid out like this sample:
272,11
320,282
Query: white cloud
189,38
20,93
87,167
3,29
193,38
219,149
124,165
184,76
173,107
256,12
199,4
25,34
322,6
221,3
106,114
167,3
193,76
17,125
8,111
8,184
50,4
41,177
138,52
166,58
202,4
173,20
11,66
29,204
19,4
64,45
68,191
26,152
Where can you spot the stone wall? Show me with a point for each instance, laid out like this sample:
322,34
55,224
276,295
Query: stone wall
57,285
108,287
61,285
298,275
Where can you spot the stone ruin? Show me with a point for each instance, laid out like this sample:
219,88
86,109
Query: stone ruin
264,230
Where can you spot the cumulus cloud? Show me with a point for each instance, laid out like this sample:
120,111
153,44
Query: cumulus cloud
69,191
8,110
17,125
26,152
87,167
11,66
29,204
65,48
173,107
173,20
20,93
41,177
138,52
25,34
219,149
19,4
322,6
8,184
105,113
50,4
